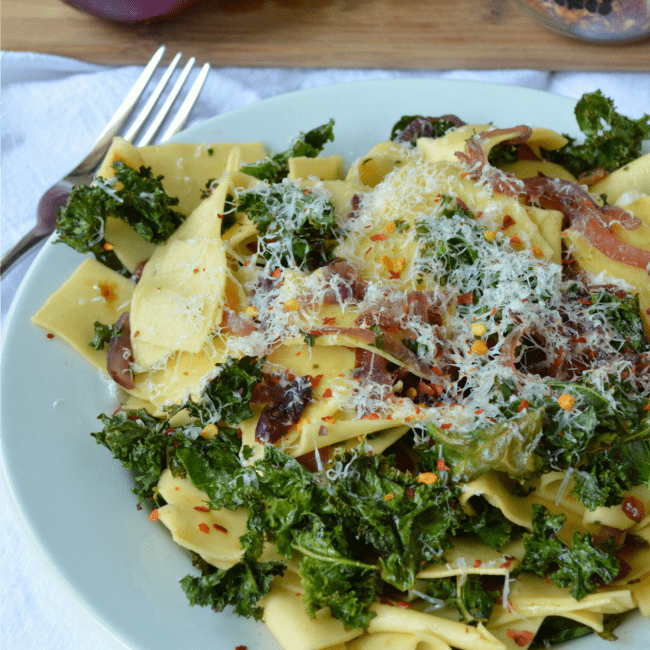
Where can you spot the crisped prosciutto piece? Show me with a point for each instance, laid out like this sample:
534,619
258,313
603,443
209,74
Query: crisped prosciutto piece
476,162
284,410
587,218
422,127
120,354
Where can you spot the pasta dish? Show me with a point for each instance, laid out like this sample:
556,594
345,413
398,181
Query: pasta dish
399,405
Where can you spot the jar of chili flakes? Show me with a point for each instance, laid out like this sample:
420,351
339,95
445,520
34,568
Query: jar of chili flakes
602,21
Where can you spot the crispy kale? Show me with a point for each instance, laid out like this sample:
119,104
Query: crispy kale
103,335
611,140
227,397
274,168
240,587
295,225
581,566
135,196
473,597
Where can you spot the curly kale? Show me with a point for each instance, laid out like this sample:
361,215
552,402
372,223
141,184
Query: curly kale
274,168
135,196
611,139
581,566
296,226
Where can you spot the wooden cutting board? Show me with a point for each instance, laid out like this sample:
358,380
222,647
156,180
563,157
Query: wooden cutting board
395,34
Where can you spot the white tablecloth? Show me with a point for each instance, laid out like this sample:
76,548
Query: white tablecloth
52,110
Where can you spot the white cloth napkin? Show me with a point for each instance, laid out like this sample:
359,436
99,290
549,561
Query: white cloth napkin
53,109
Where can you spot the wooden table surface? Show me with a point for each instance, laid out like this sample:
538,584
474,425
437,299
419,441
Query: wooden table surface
394,34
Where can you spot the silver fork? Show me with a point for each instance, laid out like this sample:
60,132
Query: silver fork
83,173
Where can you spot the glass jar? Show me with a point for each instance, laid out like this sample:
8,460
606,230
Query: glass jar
602,21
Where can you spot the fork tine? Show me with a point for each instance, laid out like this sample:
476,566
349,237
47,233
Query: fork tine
153,129
129,101
187,105
95,155
139,121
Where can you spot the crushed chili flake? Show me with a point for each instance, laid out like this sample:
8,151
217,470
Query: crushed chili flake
445,426
477,563
524,405
327,392
508,561
440,464
521,637
50,335
221,529
508,221
277,273
201,508
154,515
371,416
403,605
466,298
204,528
379,237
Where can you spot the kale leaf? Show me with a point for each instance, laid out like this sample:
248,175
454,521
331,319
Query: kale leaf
274,168
611,139
241,587
490,524
509,446
103,335
227,397
136,197
624,317
580,566
296,227
473,599
143,444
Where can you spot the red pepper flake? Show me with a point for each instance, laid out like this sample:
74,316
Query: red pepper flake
241,647
478,411
136,333
327,392
633,509
524,405
154,515
204,528
395,275
50,335
219,216
221,529
547,579
315,380
521,637
508,221
201,508
466,298
277,273
445,426
196,270
508,561
403,605
440,464
169,431
477,563
645,408
437,371
379,237
371,416
240,433
329,320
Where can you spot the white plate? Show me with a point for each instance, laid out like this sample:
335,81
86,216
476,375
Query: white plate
73,498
